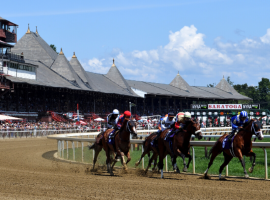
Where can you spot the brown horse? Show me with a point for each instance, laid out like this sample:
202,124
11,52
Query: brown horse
180,145
122,144
241,146
147,148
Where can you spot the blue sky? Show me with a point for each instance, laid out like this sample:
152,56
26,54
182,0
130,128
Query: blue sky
153,40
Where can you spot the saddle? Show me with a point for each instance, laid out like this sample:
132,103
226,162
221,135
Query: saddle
226,144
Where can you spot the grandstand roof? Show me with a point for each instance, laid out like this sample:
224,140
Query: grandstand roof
76,65
180,83
55,71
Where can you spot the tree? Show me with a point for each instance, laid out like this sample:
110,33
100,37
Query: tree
229,80
211,85
53,47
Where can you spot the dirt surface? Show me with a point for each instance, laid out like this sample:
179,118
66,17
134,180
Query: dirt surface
28,170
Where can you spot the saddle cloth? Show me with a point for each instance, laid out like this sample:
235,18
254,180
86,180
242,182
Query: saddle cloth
112,136
169,138
226,144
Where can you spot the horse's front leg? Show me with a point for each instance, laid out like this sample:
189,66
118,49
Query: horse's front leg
182,155
240,157
252,155
189,159
128,157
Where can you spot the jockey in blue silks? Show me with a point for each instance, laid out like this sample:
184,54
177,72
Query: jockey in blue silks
238,122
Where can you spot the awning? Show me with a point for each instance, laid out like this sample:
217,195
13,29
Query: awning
5,117
4,44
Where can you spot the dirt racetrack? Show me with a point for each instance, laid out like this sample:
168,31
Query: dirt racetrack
29,171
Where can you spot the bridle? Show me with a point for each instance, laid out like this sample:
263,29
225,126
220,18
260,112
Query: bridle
256,132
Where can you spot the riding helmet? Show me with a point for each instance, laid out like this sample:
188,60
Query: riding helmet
127,113
243,114
187,115
116,112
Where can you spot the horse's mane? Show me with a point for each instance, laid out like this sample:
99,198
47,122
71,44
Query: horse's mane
124,125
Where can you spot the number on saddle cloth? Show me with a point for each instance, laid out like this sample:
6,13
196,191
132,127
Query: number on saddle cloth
111,138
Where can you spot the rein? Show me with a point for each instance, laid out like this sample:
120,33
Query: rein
256,132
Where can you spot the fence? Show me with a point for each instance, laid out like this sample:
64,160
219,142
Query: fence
208,133
7,134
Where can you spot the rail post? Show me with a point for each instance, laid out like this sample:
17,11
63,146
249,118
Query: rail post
63,147
67,150
265,163
166,164
227,170
193,160
82,151
142,159
73,148
58,148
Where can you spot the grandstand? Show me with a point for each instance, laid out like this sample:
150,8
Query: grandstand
58,85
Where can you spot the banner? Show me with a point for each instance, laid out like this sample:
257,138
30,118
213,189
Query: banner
251,106
225,106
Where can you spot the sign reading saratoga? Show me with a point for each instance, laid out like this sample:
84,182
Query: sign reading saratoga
225,106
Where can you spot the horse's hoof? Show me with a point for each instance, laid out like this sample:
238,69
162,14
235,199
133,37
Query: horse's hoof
250,169
205,176
222,178
185,169
137,163
246,176
112,174
162,177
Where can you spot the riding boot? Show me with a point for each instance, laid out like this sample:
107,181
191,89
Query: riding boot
157,136
231,135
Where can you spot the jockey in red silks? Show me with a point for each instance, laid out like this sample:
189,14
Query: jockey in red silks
119,124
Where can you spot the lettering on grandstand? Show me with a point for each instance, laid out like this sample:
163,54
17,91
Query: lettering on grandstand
225,106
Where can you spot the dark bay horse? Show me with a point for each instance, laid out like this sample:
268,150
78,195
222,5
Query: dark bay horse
147,148
180,145
122,144
242,145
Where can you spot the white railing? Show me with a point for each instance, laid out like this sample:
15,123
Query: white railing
78,137
5,134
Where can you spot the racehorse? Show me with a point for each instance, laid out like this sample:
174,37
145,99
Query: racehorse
180,145
241,145
122,144
147,148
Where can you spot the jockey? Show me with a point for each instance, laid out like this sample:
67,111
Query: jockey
182,118
238,122
167,123
112,119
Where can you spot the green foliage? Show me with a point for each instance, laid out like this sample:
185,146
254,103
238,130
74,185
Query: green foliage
211,85
229,81
53,47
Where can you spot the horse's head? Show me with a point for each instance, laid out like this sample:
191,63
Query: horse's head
256,129
195,129
131,127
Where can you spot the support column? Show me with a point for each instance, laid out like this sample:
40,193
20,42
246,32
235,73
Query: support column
159,105
144,106
174,106
181,107
152,105
167,104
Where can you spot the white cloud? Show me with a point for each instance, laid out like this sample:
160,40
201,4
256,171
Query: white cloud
266,37
187,52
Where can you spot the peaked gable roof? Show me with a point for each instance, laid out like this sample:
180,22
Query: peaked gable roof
180,83
225,86
35,48
63,68
115,76
76,65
